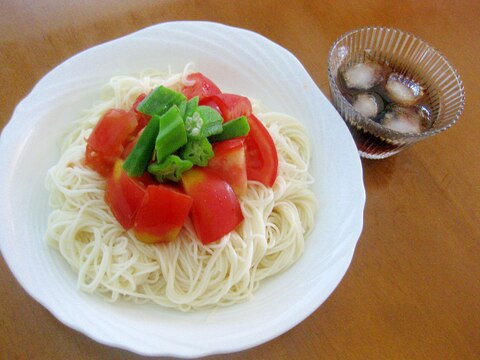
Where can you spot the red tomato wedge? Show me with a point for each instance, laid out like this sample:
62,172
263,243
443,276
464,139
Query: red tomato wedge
124,195
229,163
142,119
208,101
202,87
261,153
137,101
128,148
102,164
230,106
216,210
162,214
111,131
107,139
130,144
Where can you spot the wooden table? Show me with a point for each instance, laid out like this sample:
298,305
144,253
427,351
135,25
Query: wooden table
413,288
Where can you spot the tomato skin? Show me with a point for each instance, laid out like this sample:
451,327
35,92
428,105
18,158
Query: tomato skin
128,148
137,101
124,196
102,164
209,101
203,87
162,214
230,106
261,153
111,131
142,119
229,163
216,210
106,142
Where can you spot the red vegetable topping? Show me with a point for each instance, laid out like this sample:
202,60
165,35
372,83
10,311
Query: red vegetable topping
202,87
216,210
262,157
162,214
229,163
230,106
124,195
106,142
142,119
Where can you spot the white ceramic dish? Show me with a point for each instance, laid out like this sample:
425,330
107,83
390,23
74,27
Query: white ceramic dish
239,61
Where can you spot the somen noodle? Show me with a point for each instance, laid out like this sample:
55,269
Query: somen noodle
183,274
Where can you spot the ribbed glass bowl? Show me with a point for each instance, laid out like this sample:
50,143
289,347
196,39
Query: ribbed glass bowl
409,56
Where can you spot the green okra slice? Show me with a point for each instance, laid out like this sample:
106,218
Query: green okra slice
141,154
160,100
171,169
171,135
232,129
197,151
203,122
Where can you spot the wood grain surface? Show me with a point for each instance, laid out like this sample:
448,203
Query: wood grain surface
413,288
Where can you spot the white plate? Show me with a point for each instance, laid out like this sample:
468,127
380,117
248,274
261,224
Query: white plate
239,61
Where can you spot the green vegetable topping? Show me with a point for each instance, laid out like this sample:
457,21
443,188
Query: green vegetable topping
232,129
160,100
178,135
171,168
203,122
187,108
198,151
141,154
171,135
192,105
182,108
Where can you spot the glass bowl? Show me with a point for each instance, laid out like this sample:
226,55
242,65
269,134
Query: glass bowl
410,58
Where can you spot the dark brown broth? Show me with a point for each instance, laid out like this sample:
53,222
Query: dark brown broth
423,105
369,143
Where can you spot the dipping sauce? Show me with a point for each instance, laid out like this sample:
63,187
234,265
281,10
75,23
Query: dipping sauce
380,93
392,89
386,96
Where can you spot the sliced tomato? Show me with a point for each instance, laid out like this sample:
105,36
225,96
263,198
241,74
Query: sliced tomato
137,101
229,163
124,195
216,210
129,147
162,214
230,106
102,164
111,131
209,101
202,87
142,119
130,144
261,153
106,142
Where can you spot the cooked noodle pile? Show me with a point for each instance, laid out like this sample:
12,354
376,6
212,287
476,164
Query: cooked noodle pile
183,274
